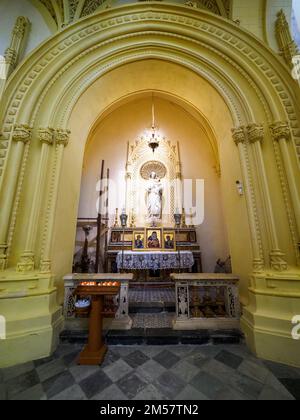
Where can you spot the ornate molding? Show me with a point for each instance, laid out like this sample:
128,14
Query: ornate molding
46,135
26,262
238,135
280,130
277,261
227,37
62,137
3,257
255,133
22,132
287,45
18,39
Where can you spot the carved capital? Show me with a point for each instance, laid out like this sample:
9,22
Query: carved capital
62,137
280,130
26,262
45,266
46,135
255,133
22,132
238,135
258,265
277,261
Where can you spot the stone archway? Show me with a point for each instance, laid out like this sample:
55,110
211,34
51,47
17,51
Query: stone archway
38,152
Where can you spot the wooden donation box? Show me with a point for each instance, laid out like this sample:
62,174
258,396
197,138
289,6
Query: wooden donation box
95,350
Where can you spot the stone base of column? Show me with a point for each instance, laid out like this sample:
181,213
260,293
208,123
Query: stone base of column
267,321
26,262
277,260
33,318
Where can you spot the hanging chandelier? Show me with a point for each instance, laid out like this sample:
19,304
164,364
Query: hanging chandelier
153,141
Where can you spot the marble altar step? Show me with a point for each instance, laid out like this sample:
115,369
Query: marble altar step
158,336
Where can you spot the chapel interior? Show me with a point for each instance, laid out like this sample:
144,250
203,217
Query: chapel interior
149,200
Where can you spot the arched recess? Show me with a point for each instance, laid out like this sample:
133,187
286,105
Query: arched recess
111,53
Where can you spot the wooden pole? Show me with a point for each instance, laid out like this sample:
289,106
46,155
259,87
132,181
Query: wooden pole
99,221
106,219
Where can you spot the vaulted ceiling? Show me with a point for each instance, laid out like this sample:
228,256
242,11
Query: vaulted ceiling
60,13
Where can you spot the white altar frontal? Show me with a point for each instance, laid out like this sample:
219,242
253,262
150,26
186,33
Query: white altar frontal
155,260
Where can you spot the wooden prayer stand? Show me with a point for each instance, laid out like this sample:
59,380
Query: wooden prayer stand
94,352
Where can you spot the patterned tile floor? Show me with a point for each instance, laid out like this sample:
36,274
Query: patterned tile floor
154,373
154,295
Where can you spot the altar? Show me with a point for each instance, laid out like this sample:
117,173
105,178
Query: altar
157,260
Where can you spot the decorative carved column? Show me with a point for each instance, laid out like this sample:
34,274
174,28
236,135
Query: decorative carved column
239,138
256,137
282,134
62,139
26,263
13,52
21,136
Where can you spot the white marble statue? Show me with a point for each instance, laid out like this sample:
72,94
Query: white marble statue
154,198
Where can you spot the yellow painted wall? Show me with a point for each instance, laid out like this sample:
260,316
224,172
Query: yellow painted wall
127,123
179,82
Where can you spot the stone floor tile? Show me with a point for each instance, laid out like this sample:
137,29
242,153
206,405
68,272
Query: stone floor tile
150,370
254,371
14,371
136,358
131,385
117,370
112,393
229,359
80,372
207,384
30,394
95,384
270,394
191,393
73,393
20,383
169,384
166,358
283,371
58,383
186,371
52,368
149,393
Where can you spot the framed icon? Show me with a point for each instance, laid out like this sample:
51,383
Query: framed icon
154,238
138,240
169,241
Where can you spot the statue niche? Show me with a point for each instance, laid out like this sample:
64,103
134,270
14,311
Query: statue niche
154,199
153,186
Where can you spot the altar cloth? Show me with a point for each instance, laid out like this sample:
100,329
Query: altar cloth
155,260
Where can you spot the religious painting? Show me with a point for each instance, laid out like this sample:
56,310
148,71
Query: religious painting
138,240
116,237
154,239
169,242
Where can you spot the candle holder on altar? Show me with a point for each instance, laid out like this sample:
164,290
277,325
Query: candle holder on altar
116,223
183,224
177,218
123,219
